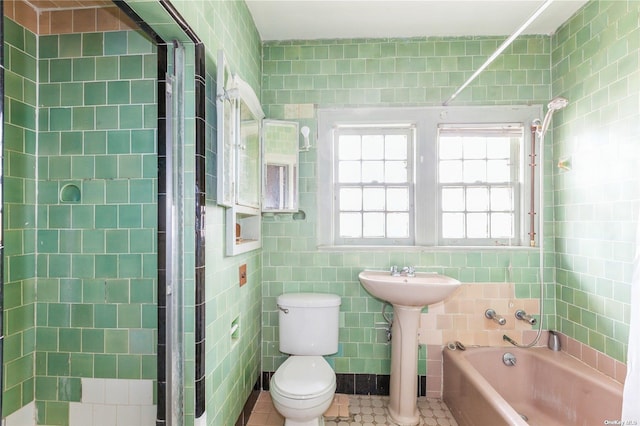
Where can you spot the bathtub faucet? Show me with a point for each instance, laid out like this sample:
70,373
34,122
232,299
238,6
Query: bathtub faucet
491,314
523,316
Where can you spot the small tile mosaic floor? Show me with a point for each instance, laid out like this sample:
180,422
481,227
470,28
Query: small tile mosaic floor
355,410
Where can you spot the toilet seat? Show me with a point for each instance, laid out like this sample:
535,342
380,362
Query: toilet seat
304,377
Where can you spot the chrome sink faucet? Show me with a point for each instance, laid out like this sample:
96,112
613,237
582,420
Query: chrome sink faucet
409,271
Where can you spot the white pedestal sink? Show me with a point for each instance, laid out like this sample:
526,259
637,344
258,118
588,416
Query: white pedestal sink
408,295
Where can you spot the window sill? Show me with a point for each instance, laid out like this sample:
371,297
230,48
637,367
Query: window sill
378,248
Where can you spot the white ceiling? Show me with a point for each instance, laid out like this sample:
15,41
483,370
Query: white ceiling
329,19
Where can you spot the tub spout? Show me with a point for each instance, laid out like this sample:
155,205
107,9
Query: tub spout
509,339
491,314
523,316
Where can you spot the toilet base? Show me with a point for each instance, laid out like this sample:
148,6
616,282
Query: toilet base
314,422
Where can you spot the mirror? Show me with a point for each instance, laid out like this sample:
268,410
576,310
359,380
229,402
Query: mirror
224,107
238,140
248,158
280,182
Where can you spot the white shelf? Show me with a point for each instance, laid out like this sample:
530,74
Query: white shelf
243,230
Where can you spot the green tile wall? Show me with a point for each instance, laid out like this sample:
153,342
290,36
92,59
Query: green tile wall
388,72
232,365
19,218
96,248
595,64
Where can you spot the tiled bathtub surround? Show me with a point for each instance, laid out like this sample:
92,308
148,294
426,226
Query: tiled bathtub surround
593,358
595,65
461,317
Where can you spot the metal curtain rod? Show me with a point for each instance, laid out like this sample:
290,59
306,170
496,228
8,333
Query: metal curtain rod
500,49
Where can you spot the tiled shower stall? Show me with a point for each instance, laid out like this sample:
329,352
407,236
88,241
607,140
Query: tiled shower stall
81,207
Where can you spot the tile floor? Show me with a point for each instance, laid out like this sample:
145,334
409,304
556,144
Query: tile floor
355,410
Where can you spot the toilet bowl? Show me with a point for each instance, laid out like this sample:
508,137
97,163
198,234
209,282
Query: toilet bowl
302,390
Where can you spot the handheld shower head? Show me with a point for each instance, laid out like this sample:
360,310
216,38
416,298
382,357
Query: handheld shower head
554,105
557,103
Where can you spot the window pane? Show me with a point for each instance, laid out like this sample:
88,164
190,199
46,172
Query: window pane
498,147
373,171
395,147
372,147
374,183
349,171
350,199
450,148
501,199
475,171
373,225
395,171
373,199
453,199
398,225
498,171
477,225
398,199
349,147
453,225
450,171
475,147
477,199
350,225
501,225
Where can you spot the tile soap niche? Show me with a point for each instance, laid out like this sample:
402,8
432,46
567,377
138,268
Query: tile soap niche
70,194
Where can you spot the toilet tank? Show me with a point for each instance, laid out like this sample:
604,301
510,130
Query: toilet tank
308,323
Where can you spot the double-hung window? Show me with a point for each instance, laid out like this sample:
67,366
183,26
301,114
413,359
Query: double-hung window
427,176
478,183
373,184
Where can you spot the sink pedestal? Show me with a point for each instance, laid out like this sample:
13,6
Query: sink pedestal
403,384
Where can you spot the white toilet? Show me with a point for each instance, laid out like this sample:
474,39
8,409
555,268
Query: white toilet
302,388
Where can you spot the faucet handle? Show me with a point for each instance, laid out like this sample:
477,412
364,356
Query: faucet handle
394,271
492,315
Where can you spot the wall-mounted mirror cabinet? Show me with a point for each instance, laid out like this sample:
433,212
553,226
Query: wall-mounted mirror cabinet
280,175
257,161
239,159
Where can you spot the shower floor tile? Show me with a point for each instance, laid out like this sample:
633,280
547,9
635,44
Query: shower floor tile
355,410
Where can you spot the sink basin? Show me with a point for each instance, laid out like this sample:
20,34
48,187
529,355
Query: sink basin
424,289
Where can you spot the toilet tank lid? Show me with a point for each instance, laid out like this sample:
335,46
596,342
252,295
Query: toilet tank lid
308,300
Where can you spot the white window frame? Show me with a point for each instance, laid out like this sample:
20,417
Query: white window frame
400,128
426,121
516,175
